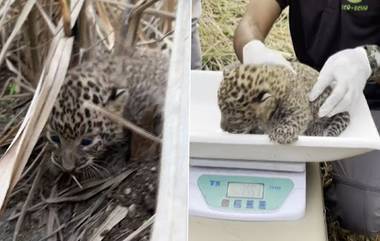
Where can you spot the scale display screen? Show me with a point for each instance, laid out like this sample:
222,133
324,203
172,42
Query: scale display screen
245,190
244,193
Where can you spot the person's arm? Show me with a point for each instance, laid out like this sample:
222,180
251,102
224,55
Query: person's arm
252,30
256,23
373,53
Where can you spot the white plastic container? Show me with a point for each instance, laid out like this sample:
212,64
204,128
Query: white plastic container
208,140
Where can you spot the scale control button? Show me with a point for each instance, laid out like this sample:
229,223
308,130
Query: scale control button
225,203
249,204
275,188
262,204
214,183
237,204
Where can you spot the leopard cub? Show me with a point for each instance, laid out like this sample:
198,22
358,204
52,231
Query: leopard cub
272,100
132,86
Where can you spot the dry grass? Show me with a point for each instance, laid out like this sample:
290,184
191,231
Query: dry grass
31,32
217,25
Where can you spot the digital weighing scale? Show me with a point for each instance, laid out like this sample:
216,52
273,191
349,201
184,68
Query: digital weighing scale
228,182
243,194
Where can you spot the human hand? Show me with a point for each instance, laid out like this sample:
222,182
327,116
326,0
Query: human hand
255,52
347,72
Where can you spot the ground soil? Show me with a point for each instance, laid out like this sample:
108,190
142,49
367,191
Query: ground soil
137,192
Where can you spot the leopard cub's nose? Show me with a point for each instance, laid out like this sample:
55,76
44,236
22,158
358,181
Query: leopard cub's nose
68,166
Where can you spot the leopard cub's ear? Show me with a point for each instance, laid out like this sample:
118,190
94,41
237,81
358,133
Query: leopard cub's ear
230,69
116,99
115,93
226,72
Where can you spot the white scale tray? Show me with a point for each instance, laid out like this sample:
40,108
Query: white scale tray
207,140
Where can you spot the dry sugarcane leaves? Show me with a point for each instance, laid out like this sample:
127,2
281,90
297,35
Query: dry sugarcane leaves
57,208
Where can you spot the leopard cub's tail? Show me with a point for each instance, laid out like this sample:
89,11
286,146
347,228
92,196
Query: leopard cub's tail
337,124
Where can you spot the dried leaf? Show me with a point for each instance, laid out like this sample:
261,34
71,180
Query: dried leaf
128,34
140,229
66,16
26,203
118,214
25,85
104,27
82,197
14,160
4,11
150,11
20,21
45,17
136,129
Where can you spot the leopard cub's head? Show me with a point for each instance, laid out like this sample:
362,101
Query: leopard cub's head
81,136
248,95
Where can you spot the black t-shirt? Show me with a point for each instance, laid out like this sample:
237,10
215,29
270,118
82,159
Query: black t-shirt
320,28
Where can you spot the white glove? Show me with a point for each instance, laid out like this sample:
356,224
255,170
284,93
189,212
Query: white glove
255,52
347,72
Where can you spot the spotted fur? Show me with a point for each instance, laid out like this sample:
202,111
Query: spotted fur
132,85
273,100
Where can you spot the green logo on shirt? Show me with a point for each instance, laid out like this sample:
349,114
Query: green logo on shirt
354,6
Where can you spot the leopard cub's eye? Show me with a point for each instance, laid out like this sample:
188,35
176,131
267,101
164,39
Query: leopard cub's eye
55,139
86,141
261,97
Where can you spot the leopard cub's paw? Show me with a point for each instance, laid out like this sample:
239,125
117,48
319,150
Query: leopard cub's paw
283,135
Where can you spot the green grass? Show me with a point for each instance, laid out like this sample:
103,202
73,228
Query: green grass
218,22
12,89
